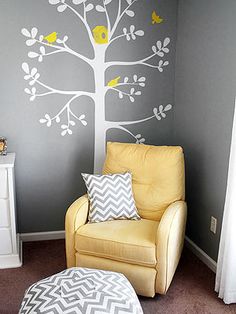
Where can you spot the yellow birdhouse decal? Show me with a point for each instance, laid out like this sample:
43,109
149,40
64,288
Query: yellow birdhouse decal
100,35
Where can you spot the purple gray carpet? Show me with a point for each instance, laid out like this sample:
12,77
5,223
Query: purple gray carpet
191,292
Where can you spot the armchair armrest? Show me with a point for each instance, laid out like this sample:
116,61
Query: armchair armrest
76,216
169,242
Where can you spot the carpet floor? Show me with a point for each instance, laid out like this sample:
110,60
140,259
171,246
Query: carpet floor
191,292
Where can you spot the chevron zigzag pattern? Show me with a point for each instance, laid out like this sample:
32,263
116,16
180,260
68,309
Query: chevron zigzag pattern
110,196
82,291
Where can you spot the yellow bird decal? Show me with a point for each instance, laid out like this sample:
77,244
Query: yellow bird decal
51,38
114,82
156,19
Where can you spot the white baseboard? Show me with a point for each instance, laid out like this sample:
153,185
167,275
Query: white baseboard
41,236
206,259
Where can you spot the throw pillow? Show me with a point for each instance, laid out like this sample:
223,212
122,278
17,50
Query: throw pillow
110,196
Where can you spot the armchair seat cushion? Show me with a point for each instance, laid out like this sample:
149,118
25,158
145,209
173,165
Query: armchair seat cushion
127,241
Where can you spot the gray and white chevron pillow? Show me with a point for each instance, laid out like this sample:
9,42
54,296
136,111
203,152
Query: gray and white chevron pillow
110,196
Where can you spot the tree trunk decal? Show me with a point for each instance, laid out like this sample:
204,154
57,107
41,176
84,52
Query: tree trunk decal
101,37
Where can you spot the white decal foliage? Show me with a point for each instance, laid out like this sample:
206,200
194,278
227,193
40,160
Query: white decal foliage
101,37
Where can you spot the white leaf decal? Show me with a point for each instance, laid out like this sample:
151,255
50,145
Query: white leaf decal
166,41
27,91
34,32
131,99
42,50
77,1
82,117
130,13
160,53
37,76
54,1
33,71
132,28
25,32
49,123
25,67
139,33
63,133
159,45
30,42
99,8
154,49
163,114
168,107
142,79
166,50
61,8
89,7
32,54
33,90
26,77
84,122
42,120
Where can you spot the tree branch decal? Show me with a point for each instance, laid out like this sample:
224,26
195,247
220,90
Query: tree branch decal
100,38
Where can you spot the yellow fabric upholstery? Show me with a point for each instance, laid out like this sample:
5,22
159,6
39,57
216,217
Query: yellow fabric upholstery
76,216
157,174
128,241
147,251
142,278
169,241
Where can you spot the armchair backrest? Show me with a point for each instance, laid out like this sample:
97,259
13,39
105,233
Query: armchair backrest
157,172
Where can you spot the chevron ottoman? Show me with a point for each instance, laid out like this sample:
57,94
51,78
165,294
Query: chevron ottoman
81,290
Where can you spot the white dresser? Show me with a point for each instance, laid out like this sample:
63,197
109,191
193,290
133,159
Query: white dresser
10,244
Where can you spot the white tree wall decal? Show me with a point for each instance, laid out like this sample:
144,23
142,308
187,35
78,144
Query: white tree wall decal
101,37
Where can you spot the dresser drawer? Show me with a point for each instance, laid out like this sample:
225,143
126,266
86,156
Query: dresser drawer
4,213
6,245
3,183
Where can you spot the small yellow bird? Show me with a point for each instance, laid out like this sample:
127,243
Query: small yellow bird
51,38
114,82
156,19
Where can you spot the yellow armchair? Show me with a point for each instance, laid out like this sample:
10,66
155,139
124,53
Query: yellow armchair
147,251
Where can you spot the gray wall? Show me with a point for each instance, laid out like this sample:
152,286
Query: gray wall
48,166
205,90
